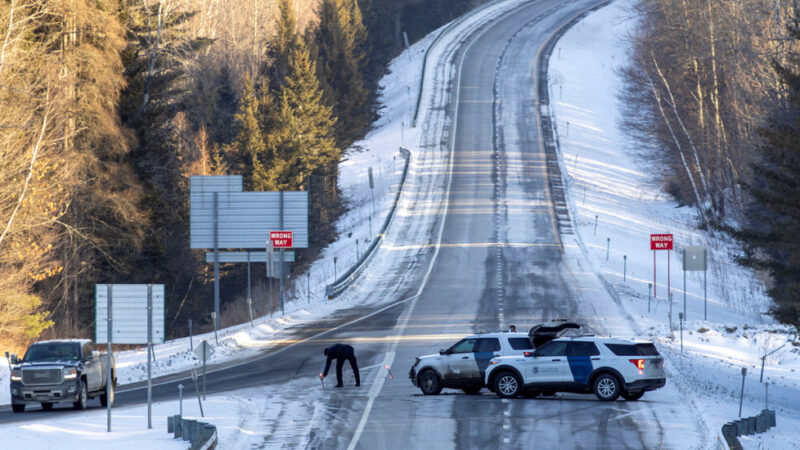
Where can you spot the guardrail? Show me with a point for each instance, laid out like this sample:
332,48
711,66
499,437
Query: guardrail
337,287
202,436
450,26
746,426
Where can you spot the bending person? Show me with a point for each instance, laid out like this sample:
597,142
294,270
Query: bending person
342,353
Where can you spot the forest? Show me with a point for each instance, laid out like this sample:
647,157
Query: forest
108,107
714,88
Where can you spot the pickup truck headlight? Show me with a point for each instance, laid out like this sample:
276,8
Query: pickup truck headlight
70,373
16,375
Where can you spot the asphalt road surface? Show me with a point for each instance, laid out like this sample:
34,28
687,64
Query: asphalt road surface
499,263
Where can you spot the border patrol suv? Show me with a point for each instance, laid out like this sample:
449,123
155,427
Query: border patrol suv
462,365
608,367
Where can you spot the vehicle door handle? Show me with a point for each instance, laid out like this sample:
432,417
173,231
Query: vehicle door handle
557,359
465,357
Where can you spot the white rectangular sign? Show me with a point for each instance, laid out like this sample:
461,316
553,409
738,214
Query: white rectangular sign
128,313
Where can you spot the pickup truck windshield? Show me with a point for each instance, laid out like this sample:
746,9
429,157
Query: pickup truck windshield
65,351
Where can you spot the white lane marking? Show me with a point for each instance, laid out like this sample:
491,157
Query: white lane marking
377,384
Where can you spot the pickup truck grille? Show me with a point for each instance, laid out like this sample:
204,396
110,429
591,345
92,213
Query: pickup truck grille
32,377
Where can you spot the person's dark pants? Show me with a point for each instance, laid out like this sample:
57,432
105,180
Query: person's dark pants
353,365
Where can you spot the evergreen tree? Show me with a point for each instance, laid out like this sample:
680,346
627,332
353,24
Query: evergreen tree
302,139
337,43
774,222
249,143
284,45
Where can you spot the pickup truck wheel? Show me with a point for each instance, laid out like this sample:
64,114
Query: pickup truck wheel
104,398
607,387
47,406
18,408
83,397
429,382
507,385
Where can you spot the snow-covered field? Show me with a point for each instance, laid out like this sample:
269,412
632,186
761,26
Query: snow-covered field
607,184
604,181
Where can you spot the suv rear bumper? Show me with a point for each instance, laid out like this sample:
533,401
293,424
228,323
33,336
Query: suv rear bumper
51,393
646,385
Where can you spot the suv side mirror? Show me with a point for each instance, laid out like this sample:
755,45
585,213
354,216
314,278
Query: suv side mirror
444,352
14,359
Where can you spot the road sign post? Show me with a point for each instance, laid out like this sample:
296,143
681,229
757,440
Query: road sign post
224,216
134,314
281,240
108,358
149,356
204,351
661,242
694,260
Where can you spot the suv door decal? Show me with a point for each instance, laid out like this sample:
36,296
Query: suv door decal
581,368
579,356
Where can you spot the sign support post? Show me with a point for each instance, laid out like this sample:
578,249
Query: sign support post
661,242
216,256
108,361
705,286
149,354
684,281
280,270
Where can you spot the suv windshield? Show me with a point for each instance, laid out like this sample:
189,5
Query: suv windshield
62,351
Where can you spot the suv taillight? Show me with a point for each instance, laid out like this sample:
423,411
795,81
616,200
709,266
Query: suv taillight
639,363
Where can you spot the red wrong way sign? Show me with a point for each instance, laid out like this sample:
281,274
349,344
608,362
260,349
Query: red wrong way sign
281,239
660,242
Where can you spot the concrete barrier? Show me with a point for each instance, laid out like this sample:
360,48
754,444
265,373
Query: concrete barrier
201,436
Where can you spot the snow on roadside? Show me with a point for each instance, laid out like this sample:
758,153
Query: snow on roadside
615,205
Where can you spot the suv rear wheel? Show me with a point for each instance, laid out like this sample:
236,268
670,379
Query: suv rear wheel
507,385
429,382
606,387
632,396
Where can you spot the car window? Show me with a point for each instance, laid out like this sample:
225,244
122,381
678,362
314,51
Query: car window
582,349
522,343
553,348
486,345
464,346
633,349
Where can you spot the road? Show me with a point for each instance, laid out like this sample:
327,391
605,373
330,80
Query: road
497,260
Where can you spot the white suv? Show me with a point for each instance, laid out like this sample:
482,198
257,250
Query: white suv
462,365
607,367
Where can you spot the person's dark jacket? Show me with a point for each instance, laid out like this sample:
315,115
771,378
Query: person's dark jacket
337,351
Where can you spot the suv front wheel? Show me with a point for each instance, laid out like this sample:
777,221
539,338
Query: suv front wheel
507,385
429,382
607,387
